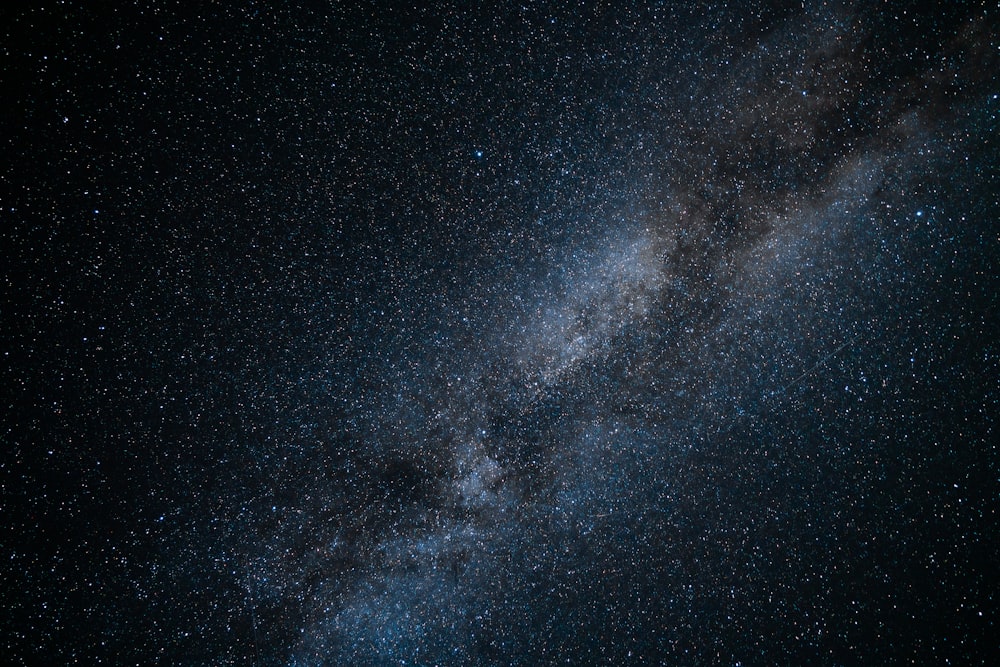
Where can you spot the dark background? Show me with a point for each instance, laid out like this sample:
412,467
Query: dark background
363,334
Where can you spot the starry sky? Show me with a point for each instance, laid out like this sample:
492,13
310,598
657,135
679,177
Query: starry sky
533,333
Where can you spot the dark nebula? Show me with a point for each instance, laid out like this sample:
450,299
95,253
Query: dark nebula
362,334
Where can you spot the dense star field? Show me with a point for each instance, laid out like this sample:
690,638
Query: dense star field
363,334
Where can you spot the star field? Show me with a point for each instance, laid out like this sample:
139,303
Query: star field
361,334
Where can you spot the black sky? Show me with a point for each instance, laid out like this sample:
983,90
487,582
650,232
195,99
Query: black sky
527,334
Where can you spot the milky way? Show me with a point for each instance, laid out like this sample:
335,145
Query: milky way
595,335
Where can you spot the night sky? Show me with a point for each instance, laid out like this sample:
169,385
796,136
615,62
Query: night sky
362,334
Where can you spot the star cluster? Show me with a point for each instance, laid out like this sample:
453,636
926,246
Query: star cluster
361,334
